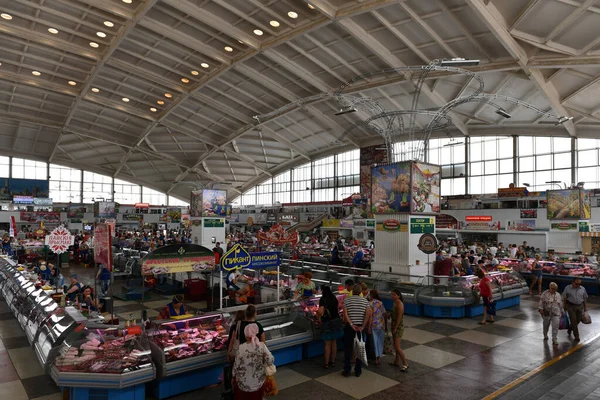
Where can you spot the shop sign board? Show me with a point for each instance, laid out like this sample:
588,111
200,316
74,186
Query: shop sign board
42,201
521,225
59,240
214,223
132,217
564,226
428,243
478,218
103,246
331,223
446,221
422,225
584,226
391,225
346,223
530,213
23,199
480,226
238,257
178,258
265,259
142,205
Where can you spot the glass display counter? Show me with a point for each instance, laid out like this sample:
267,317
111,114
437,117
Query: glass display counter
51,334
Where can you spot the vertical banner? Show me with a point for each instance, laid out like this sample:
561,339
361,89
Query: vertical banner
103,245
13,227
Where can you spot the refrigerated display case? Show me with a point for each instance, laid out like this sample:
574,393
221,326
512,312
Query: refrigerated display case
51,334
97,356
44,307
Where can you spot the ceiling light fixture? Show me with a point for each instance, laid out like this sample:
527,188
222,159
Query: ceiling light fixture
160,102
274,24
458,62
258,32
195,73
228,49
503,112
127,1
185,80
562,120
5,16
109,24
204,65
311,6
293,14
168,95
94,45
36,73
152,109
53,31
346,110
95,90
72,83
101,34
125,99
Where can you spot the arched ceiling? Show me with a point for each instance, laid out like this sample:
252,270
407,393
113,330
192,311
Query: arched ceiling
544,52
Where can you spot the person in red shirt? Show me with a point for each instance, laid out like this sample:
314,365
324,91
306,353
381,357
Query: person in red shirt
485,290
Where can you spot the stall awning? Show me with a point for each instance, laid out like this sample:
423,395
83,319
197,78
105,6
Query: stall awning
589,234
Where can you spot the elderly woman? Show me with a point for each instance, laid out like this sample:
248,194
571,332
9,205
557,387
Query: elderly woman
250,365
551,310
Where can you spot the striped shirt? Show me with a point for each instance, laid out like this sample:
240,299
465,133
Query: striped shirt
356,308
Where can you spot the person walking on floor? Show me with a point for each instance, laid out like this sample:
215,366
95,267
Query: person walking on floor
377,327
357,315
398,330
575,303
332,326
485,291
551,309
536,275
249,368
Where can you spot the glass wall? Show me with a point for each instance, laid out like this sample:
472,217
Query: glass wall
28,169
127,193
65,184
490,164
153,197
543,160
96,187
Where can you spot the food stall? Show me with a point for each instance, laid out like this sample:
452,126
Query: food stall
562,272
309,308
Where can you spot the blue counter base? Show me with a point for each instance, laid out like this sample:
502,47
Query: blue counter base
288,355
185,382
137,392
443,312
473,311
415,310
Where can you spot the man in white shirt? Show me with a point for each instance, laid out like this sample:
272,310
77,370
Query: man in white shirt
575,303
513,251
493,250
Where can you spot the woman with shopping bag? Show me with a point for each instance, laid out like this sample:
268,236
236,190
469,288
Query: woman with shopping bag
250,366
551,310
357,316
377,327
398,330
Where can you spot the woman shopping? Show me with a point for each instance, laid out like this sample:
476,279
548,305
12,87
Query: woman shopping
332,326
485,291
536,275
249,368
378,325
551,309
398,329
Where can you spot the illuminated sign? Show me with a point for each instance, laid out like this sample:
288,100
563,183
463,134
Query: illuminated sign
478,218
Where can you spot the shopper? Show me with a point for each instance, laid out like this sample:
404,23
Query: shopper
575,303
364,290
249,368
306,288
485,291
357,314
513,251
74,289
398,330
536,275
103,276
251,319
235,331
348,285
466,265
218,251
378,325
332,327
551,309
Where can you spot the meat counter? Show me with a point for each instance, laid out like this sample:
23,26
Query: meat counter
52,332
309,307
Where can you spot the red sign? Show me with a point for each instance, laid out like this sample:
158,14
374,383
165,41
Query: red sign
59,240
391,225
142,205
103,245
478,218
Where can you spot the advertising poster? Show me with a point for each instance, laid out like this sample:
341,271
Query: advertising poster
214,223
564,204
368,157
174,214
214,203
425,188
24,187
586,209
105,209
196,203
103,246
390,188
521,225
76,212
178,258
480,226
446,221
564,226
40,216
531,213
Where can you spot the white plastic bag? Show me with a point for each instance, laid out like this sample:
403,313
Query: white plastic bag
586,319
360,349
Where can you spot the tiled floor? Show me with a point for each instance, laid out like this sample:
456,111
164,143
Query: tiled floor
449,359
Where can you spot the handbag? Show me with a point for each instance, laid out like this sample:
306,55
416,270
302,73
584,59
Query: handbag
585,318
360,350
564,322
388,343
270,387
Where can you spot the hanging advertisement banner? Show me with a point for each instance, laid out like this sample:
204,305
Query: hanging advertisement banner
521,225
59,240
564,226
390,188
103,246
76,212
105,209
214,203
238,257
40,216
178,258
13,226
214,223
530,213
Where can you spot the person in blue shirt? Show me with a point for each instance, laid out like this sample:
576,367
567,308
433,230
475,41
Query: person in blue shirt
357,260
103,276
74,289
174,308
335,255
44,271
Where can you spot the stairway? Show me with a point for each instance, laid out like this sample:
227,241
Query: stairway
308,225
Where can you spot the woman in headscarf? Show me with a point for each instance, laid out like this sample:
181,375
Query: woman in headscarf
250,365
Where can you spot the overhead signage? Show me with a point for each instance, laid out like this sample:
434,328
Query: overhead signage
265,259
428,243
238,257
512,192
178,258
132,217
214,223
142,205
23,199
564,226
41,201
59,240
478,218
531,213
391,225
422,225
103,246
480,226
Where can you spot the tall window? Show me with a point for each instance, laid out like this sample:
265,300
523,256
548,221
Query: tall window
348,168
588,170
127,193
153,197
65,184
491,164
282,188
324,173
4,167
96,187
409,150
264,193
29,169
449,153
249,198
301,184
178,203
544,159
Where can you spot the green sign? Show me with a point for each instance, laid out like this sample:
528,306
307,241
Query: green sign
214,223
422,225
371,223
584,226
